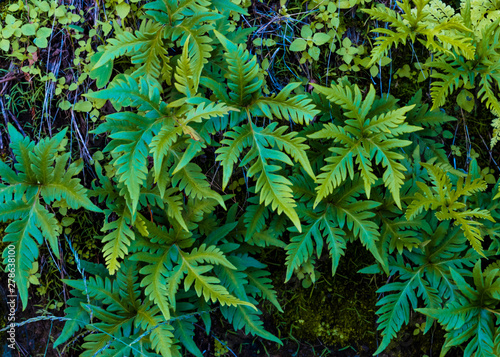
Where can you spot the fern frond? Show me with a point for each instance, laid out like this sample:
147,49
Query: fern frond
117,241
174,207
234,144
290,143
242,72
297,108
104,290
362,140
132,148
384,43
69,189
395,308
444,86
467,318
126,42
155,278
210,254
153,59
125,90
348,97
335,172
209,287
159,147
336,242
486,93
48,224
13,209
393,176
198,41
193,182
202,111
386,14
275,190
242,316
42,158
460,44
21,147
184,81
42,174
447,202
259,279
255,218
162,337
301,247
25,236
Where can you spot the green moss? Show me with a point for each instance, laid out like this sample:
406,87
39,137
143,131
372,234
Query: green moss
339,310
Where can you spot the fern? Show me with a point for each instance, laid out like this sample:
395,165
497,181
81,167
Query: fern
246,89
424,276
481,69
421,20
128,325
43,177
361,139
441,197
471,317
274,188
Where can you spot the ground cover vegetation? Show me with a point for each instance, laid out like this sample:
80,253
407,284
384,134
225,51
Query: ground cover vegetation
251,178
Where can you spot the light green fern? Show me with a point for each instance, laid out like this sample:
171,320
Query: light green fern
43,177
447,202
360,140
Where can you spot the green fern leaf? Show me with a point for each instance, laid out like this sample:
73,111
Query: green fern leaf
117,241
234,144
162,337
486,92
155,278
184,74
25,236
301,247
255,218
259,279
193,182
209,287
395,308
242,316
242,72
125,91
362,139
21,147
41,174
447,202
274,189
441,89
48,224
79,318
210,254
159,147
285,106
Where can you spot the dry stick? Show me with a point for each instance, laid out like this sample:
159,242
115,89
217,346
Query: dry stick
86,153
4,113
14,119
5,119
8,78
50,85
489,152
